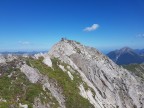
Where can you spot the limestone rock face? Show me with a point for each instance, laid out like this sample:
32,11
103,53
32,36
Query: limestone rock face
114,86
7,58
68,72
35,76
31,73
2,59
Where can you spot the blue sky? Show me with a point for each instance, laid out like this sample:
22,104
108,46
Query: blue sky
38,24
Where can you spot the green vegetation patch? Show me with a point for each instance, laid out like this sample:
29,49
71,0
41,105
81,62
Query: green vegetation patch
137,69
69,87
17,89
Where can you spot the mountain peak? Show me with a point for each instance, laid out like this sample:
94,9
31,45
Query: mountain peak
73,75
67,47
125,55
125,49
69,41
99,72
64,47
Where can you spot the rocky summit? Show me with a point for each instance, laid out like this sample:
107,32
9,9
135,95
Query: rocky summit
70,75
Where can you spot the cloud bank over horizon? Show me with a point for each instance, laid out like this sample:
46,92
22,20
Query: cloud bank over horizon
24,42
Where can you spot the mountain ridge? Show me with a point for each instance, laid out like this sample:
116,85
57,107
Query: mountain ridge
94,58
72,75
125,55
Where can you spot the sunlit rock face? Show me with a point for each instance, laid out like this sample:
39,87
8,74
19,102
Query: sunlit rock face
69,71
114,86
7,58
2,59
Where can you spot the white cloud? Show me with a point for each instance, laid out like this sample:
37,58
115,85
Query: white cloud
24,42
92,28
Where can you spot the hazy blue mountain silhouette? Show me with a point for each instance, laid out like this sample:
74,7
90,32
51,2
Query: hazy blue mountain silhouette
125,55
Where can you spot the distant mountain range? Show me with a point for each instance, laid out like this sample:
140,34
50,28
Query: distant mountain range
127,55
22,52
139,51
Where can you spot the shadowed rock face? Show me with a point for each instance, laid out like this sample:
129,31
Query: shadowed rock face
114,86
125,56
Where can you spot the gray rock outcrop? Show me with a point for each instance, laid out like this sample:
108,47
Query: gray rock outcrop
114,86
35,76
96,78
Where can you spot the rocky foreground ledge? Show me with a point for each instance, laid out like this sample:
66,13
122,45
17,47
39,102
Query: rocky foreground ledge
70,75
